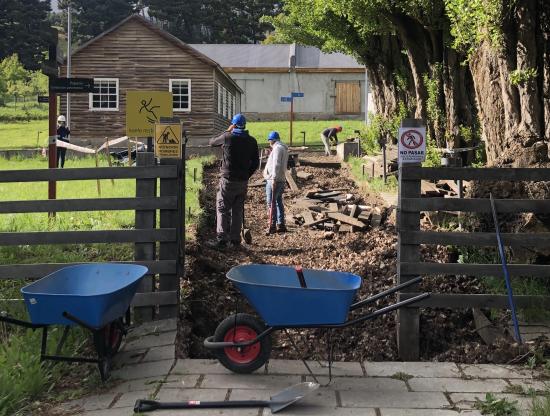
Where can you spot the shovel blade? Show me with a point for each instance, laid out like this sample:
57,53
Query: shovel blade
291,395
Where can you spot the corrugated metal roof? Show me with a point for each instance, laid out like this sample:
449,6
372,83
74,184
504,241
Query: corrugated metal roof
273,56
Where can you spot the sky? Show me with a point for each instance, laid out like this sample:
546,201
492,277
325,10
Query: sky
54,5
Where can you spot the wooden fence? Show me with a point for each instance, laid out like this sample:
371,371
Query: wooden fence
410,238
157,297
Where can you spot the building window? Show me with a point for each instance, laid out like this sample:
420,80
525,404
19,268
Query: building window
105,95
220,104
224,102
232,105
181,94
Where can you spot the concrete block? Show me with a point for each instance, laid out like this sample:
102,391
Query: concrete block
457,385
467,400
96,402
119,411
128,357
129,399
174,381
150,341
366,384
401,400
496,371
419,412
142,384
347,149
145,370
312,409
249,381
320,398
154,327
413,368
178,395
193,366
537,385
297,367
167,352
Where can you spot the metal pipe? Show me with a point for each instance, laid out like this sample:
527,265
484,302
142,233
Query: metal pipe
385,293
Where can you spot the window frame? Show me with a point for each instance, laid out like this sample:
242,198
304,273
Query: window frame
91,96
188,80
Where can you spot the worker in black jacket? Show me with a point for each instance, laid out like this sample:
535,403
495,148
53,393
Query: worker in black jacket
239,161
329,136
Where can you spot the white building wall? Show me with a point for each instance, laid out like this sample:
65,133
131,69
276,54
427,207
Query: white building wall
263,91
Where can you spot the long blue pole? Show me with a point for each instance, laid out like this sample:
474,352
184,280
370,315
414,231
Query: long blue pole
506,273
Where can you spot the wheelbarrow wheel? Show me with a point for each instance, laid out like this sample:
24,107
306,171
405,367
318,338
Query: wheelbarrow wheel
113,334
240,328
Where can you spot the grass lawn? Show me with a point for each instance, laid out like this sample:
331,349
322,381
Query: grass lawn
23,135
313,129
23,378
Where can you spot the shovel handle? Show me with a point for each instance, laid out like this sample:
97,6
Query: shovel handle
150,405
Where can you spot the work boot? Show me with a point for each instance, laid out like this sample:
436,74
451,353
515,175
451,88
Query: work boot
271,230
281,228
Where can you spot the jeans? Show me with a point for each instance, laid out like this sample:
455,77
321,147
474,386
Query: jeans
61,156
325,141
229,209
278,204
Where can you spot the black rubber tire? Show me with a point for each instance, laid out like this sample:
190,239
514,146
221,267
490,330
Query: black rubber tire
242,319
113,334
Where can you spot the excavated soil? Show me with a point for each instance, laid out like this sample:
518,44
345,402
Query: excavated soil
209,297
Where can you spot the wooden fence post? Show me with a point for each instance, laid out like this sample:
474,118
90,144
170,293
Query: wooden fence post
408,319
169,250
145,219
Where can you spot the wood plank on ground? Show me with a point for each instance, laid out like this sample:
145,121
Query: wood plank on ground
354,211
346,219
290,181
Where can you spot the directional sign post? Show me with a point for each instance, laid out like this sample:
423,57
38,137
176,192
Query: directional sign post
290,99
43,99
71,85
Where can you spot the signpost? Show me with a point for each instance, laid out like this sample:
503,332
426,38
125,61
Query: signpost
168,138
290,99
144,109
43,99
70,85
411,144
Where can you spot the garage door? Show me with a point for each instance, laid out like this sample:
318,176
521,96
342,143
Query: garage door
348,98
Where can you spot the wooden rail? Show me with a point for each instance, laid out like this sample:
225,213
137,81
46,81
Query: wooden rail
411,237
160,287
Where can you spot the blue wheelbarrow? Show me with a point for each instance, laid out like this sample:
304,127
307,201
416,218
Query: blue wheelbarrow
95,297
287,297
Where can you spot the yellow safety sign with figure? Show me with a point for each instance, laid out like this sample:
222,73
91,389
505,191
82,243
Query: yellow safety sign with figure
168,140
144,109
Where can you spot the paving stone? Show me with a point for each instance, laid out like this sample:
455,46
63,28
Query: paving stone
413,368
149,341
362,383
144,370
457,385
128,357
97,402
297,367
402,400
142,384
311,409
537,385
175,395
419,412
154,327
248,381
191,366
129,399
467,400
210,412
175,381
122,411
168,352
320,398
496,371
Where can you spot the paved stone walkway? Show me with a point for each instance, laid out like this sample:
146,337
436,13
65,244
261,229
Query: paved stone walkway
147,369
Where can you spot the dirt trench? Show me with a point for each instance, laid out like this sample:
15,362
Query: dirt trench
208,297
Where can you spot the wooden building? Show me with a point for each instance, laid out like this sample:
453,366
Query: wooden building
137,55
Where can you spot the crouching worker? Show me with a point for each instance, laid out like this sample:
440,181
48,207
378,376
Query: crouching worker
240,160
330,136
274,173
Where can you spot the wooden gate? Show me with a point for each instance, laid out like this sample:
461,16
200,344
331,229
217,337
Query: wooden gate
348,98
411,237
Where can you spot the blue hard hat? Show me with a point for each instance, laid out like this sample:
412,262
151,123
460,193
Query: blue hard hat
273,136
238,120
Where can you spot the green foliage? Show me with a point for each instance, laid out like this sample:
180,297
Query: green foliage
432,83
522,76
16,81
541,406
433,157
496,407
374,184
24,29
23,135
381,127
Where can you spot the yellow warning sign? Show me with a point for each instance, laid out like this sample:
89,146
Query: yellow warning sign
168,140
144,109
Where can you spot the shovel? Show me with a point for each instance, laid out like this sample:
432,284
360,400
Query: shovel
245,232
276,403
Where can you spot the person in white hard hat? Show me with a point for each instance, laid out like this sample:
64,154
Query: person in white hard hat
63,134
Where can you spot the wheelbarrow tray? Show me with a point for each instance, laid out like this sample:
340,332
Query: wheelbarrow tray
97,294
276,294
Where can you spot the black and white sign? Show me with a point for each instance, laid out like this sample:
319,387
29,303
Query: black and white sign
62,85
412,144
43,99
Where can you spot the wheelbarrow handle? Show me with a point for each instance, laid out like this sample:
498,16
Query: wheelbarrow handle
151,405
386,293
5,318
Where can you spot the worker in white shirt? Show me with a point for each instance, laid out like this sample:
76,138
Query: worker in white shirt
274,173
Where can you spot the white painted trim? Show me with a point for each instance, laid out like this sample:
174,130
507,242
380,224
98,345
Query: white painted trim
188,80
90,96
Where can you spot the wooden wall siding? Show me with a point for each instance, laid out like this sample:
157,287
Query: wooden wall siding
140,59
220,122
348,98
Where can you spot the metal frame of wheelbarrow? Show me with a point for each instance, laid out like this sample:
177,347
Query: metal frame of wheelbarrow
104,352
210,344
